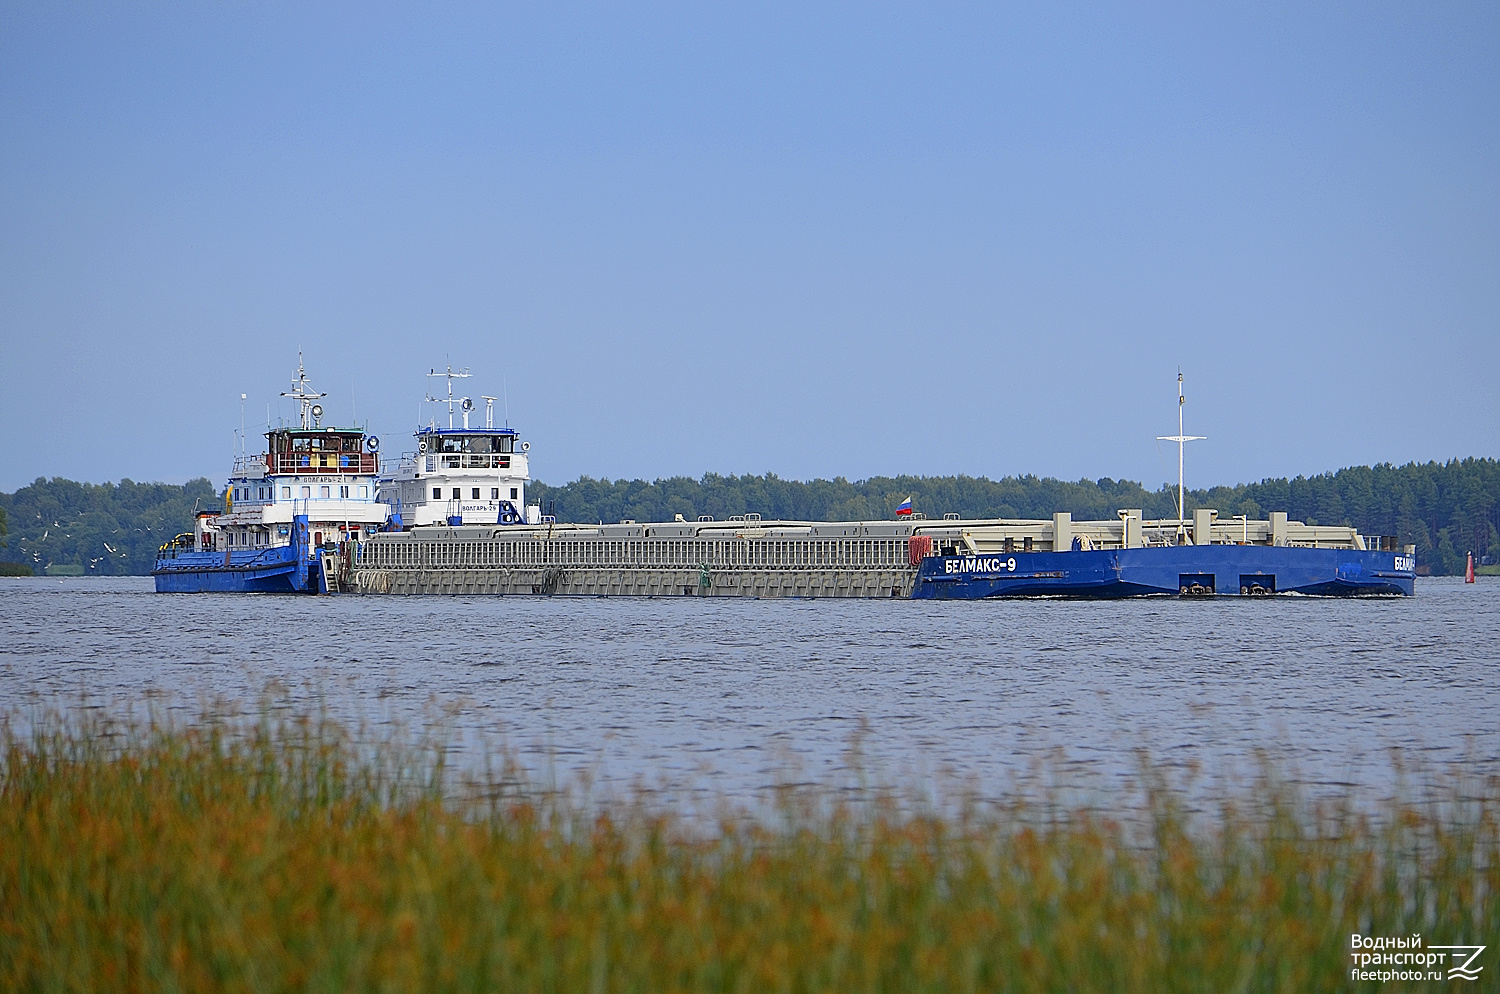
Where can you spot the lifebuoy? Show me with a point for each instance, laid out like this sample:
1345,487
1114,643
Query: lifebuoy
373,443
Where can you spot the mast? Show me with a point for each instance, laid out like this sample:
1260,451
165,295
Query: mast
451,376
1180,438
303,393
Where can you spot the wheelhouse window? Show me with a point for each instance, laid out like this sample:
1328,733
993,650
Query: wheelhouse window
456,492
322,491
475,494
306,492
437,493
482,445
514,493
286,493
494,493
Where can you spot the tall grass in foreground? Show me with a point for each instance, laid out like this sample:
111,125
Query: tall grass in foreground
278,857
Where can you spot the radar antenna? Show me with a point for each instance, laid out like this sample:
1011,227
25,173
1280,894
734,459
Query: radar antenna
451,376
1180,438
489,409
303,393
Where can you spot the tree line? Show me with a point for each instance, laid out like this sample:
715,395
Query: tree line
1445,509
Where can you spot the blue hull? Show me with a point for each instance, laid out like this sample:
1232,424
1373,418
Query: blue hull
1190,569
286,569
205,572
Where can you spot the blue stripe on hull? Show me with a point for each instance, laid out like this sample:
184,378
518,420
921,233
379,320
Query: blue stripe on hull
228,581
1225,569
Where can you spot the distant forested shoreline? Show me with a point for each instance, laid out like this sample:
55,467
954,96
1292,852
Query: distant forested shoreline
1445,509
98,529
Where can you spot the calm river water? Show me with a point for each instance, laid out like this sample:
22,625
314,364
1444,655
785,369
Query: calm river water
727,697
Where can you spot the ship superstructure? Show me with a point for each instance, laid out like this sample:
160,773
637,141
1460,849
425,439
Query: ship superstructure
461,474
329,474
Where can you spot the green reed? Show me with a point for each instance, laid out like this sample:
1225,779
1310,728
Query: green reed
280,855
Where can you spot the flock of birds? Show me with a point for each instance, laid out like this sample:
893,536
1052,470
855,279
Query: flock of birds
94,562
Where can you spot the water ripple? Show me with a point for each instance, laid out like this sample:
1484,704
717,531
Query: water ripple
725,693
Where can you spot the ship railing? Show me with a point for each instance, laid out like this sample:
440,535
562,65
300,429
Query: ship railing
360,463
481,461
249,466
185,542
239,560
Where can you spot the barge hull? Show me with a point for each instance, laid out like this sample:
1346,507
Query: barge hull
1240,570
606,582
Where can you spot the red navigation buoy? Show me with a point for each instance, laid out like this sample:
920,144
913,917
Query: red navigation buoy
1469,573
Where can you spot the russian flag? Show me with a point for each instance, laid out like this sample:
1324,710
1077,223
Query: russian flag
903,508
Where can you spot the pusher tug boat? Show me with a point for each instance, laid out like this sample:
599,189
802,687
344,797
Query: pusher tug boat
287,513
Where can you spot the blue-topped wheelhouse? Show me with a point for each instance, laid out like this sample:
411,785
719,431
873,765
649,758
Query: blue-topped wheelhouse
460,474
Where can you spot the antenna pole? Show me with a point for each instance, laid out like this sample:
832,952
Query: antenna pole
1180,439
303,394
451,376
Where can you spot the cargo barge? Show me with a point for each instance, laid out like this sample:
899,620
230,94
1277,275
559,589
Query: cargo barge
922,559
910,557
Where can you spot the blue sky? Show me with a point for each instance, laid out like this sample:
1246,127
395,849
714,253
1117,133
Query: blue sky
815,240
